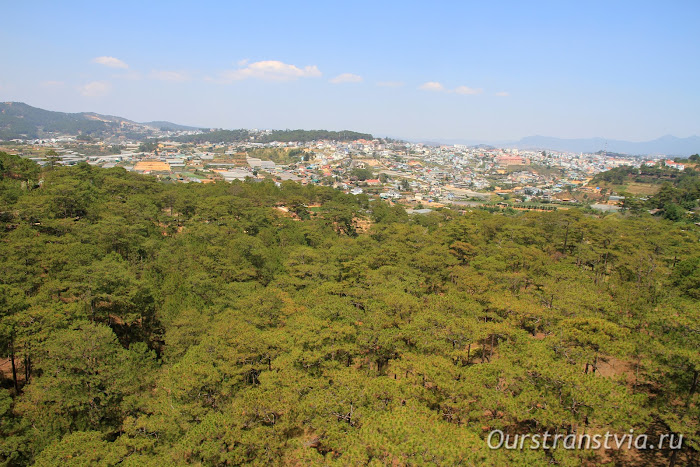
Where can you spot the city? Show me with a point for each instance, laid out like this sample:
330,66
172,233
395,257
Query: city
417,175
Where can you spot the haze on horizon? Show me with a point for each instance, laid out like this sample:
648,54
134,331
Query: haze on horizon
448,70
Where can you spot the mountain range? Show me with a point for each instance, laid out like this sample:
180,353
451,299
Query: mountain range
665,145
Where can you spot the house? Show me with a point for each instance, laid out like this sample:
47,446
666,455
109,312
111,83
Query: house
674,165
393,194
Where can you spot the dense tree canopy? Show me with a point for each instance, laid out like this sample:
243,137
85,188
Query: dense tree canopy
146,323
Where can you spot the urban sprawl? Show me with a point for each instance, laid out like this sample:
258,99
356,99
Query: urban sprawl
417,175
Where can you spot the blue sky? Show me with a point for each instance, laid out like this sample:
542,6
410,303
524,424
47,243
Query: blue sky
476,71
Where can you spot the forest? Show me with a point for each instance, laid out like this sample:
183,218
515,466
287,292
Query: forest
144,323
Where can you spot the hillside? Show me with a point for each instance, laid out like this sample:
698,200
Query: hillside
18,120
145,323
22,121
653,175
671,193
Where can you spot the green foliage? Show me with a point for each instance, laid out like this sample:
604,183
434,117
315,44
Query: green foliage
678,194
362,174
616,176
168,324
82,448
17,168
148,146
686,277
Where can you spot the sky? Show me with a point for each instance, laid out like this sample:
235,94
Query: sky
442,71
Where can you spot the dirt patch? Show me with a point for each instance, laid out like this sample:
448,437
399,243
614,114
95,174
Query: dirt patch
6,370
643,188
362,225
614,367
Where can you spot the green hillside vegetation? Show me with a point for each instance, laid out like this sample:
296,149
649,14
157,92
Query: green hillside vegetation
145,323
22,121
18,120
676,194
653,175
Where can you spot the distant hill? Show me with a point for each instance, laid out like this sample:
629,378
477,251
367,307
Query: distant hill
19,120
666,145
168,126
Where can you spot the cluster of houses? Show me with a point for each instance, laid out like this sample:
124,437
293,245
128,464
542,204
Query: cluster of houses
400,171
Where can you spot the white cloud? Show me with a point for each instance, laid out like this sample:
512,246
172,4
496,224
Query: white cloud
164,75
346,78
110,62
467,90
270,70
52,84
432,86
502,94
390,84
95,89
